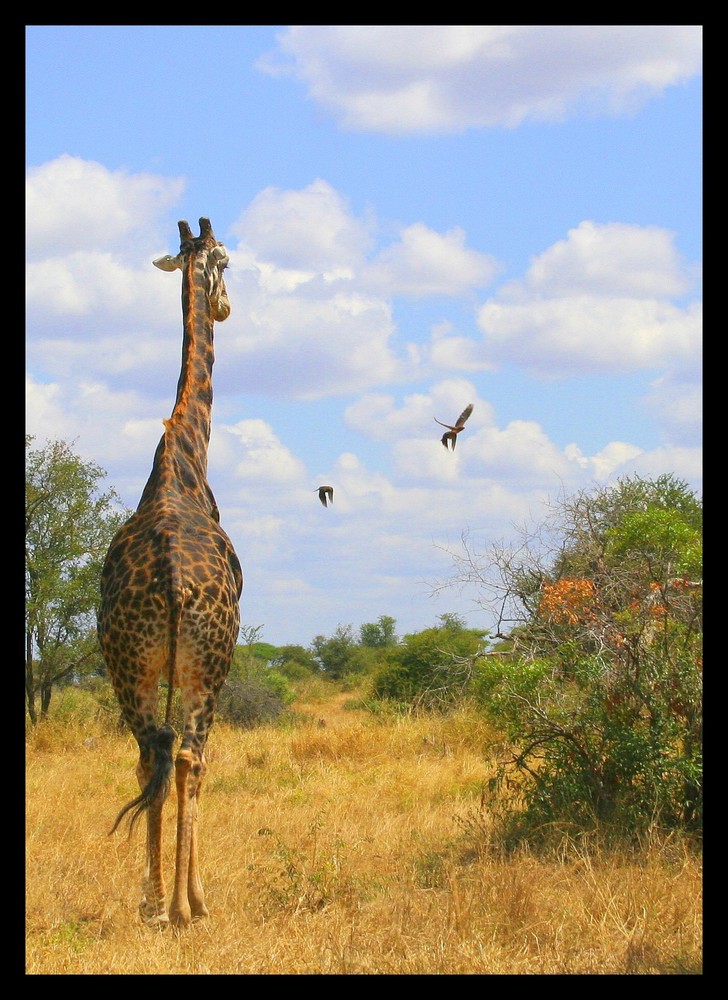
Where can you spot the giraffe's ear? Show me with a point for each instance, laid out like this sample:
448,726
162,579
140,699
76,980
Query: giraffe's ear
168,263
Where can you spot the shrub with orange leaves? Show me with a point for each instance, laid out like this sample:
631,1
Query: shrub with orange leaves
569,600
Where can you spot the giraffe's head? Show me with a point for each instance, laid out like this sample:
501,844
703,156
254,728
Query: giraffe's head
207,256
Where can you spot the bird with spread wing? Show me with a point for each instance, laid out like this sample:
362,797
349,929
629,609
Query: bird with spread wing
451,434
326,494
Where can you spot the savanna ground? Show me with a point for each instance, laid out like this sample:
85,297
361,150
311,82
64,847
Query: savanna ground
342,844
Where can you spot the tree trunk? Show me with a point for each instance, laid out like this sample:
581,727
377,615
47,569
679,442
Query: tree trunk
46,689
29,680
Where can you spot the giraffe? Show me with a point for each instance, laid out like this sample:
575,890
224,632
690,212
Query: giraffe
170,588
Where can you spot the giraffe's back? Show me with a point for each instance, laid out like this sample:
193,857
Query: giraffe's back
171,580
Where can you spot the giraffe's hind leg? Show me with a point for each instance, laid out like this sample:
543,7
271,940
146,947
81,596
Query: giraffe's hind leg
155,762
194,883
187,896
153,906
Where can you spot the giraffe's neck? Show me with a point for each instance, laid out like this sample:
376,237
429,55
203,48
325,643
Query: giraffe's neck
181,457
193,406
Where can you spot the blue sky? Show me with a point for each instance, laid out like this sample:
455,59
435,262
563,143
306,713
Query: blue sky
418,217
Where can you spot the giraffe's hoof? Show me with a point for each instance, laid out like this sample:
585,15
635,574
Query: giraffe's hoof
151,917
180,916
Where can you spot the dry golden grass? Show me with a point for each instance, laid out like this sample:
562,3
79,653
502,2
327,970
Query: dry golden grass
341,845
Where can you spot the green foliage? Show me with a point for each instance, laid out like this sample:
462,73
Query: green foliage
254,692
263,651
430,669
658,540
340,654
452,621
602,708
379,634
78,706
294,662
592,522
594,750
68,527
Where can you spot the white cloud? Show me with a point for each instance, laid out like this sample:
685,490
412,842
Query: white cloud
614,259
88,283
685,463
257,455
312,344
597,301
46,416
313,316
521,452
603,464
424,262
75,205
455,352
447,78
563,336
109,427
311,230
376,415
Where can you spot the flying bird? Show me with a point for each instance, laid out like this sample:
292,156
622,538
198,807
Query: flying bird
451,434
325,492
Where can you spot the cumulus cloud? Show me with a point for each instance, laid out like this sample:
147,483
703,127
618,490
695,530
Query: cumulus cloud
613,259
597,301
312,230
74,204
318,307
107,426
521,452
255,454
47,417
309,345
83,283
424,262
601,465
402,79
685,463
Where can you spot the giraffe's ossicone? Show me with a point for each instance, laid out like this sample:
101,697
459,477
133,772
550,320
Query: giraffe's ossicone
170,590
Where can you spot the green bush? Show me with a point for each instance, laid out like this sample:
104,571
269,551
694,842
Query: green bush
247,702
340,654
599,691
597,749
295,663
430,669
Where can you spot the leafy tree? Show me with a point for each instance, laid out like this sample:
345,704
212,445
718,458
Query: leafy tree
452,621
430,669
379,634
294,662
600,689
68,527
340,654
264,651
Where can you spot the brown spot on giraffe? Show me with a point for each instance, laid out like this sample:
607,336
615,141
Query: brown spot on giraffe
170,591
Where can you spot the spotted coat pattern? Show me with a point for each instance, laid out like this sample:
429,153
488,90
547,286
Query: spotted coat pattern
170,590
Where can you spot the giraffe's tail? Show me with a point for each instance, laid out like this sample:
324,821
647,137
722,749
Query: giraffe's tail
159,782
